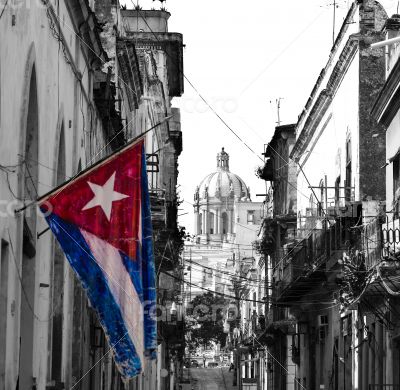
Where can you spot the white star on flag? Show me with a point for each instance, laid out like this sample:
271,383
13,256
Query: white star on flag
104,196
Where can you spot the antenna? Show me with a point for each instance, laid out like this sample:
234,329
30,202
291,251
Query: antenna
278,109
334,20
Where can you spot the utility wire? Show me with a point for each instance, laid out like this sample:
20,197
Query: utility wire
232,296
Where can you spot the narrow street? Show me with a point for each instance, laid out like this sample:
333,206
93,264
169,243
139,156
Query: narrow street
212,379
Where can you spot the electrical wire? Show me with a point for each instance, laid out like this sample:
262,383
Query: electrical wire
234,297
4,8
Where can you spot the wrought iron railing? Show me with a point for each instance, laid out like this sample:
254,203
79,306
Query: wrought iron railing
391,237
313,251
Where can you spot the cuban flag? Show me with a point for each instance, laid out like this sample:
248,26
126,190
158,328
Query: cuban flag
102,221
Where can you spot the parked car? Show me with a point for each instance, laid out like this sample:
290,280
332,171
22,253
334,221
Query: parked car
212,364
194,364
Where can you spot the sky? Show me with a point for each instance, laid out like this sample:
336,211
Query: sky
242,57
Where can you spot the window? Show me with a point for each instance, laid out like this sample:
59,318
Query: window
348,171
250,217
321,203
254,299
396,185
212,219
337,191
224,223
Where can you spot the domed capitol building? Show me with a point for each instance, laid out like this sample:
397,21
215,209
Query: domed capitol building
226,222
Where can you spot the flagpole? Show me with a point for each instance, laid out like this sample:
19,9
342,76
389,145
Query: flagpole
87,169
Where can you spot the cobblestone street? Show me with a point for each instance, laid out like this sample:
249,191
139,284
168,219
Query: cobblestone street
212,379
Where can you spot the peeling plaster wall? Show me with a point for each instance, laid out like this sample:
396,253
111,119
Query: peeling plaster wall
27,42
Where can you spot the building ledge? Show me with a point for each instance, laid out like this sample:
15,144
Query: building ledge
172,45
388,102
129,64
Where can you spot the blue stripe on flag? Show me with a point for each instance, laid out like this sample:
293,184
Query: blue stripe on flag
149,278
135,272
99,294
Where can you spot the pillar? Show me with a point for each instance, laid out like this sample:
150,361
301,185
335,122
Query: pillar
206,227
215,222
364,367
204,221
379,353
371,354
389,357
196,223
218,219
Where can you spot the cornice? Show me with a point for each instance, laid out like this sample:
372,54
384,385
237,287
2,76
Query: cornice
325,97
388,102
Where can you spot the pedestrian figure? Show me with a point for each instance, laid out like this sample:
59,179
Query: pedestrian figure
231,367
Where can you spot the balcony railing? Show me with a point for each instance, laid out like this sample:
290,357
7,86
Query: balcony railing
391,237
310,255
372,242
158,207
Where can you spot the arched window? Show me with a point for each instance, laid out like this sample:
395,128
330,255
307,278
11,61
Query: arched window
28,270
311,202
58,278
299,220
224,217
212,219
348,182
321,203
337,191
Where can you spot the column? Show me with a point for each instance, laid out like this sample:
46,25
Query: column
389,357
215,222
371,355
204,221
206,227
196,223
218,219
364,362
379,353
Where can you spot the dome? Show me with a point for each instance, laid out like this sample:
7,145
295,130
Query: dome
222,183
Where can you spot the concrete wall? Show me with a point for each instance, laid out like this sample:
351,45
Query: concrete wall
48,124
328,146
30,50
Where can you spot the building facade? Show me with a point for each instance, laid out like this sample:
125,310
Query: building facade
327,315
226,222
384,290
70,94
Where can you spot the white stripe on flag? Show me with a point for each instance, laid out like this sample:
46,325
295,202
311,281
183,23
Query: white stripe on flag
121,287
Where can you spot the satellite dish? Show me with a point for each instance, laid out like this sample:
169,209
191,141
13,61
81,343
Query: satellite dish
163,373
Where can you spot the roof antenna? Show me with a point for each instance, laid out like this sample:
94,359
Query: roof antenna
278,109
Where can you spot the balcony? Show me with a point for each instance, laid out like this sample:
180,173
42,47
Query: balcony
291,269
391,238
158,208
304,264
